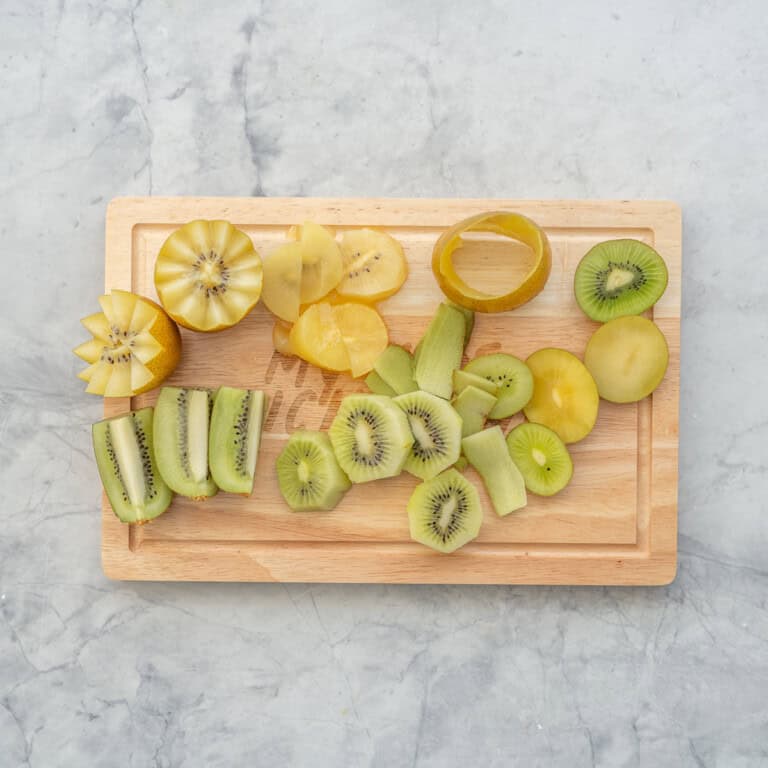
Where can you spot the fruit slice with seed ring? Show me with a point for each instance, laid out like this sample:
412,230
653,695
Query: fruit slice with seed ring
374,265
541,457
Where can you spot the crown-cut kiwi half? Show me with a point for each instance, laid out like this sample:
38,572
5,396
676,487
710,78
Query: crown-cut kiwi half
371,437
445,513
234,437
308,474
181,421
126,461
619,277
628,358
436,429
541,457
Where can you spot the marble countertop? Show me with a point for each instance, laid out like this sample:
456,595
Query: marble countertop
534,100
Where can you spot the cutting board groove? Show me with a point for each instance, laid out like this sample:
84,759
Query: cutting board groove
615,524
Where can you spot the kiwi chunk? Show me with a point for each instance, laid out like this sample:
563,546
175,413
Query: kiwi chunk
619,277
512,377
126,461
378,386
371,437
628,358
473,405
308,474
541,457
234,437
487,452
440,351
181,421
464,379
444,513
395,366
469,321
436,429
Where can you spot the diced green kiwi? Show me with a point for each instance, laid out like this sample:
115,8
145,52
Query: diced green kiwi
512,377
469,321
464,379
473,405
487,452
371,437
436,429
541,457
308,474
181,421
126,460
440,352
619,277
234,437
395,366
444,513
378,386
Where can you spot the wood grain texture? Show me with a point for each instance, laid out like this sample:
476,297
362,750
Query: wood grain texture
615,524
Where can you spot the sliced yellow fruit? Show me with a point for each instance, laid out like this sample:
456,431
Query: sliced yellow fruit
135,346
374,265
565,395
282,282
316,338
281,332
511,225
364,333
321,260
208,275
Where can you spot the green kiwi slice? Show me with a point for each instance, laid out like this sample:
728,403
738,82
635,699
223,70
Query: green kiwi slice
445,513
126,461
473,405
512,377
541,457
464,379
436,429
395,367
371,437
234,437
181,421
308,474
378,386
440,352
619,277
487,452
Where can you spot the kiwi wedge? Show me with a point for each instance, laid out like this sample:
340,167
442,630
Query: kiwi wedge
440,352
395,367
181,424
628,358
308,474
464,379
234,437
126,461
469,321
436,429
487,452
445,513
512,377
473,405
619,277
371,437
378,386
541,457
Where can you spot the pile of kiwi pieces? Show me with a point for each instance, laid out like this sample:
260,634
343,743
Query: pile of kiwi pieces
427,415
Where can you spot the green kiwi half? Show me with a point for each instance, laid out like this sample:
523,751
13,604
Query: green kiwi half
541,457
619,277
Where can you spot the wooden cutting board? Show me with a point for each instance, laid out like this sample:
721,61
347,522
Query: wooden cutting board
616,523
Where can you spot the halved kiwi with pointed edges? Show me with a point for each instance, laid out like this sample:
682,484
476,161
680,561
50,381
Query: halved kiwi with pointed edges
619,277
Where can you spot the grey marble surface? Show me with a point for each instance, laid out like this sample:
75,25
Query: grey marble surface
660,99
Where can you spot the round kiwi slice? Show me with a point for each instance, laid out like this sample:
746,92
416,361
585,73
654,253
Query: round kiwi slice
436,429
619,277
628,358
371,437
541,457
308,474
444,513
511,376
